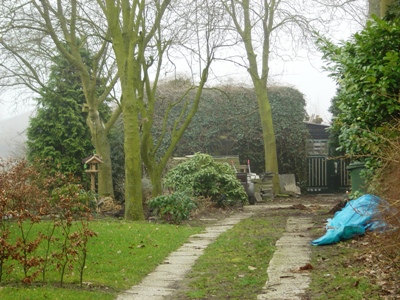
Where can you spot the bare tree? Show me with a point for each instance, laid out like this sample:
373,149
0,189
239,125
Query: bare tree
36,31
132,43
276,28
145,35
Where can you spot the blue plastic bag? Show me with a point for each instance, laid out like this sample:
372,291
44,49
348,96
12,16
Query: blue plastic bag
354,219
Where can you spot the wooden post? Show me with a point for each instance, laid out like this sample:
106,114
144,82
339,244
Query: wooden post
93,178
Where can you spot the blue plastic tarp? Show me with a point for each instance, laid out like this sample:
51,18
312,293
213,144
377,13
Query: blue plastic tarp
354,219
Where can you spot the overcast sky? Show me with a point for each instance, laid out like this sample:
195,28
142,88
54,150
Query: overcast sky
310,79
305,75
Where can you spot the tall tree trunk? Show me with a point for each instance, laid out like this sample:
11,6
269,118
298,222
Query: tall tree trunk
374,7
270,154
259,72
384,6
124,22
378,7
133,166
102,147
156,183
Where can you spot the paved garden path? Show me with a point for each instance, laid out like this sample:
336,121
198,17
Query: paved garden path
286,281
288,270
162,282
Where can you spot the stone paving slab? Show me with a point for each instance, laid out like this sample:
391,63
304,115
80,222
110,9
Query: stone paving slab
187,251
285,280
181,260
171,269
197,244
165,277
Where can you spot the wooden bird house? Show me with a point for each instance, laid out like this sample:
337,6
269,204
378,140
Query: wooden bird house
92,163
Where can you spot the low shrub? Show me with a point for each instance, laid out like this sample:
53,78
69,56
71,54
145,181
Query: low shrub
172,208
202,176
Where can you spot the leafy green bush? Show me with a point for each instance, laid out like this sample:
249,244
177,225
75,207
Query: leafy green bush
367,69
173,208
202,176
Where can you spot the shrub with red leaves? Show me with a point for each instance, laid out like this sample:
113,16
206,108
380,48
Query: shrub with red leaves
28,196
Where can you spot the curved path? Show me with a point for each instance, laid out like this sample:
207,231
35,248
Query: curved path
285,279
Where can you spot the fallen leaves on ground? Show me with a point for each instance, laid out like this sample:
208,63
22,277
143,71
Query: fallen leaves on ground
380,265
306,267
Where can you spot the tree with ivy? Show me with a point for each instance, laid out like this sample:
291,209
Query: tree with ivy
367,70
58,132
264,29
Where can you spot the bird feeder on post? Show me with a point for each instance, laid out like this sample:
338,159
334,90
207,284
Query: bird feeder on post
92,162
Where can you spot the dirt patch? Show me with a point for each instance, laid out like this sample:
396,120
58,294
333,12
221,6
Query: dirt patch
304,204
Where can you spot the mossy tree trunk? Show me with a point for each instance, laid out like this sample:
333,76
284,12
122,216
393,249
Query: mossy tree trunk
100,141
149,149
131,33
133,165
384,4
240,14
131,30
270,153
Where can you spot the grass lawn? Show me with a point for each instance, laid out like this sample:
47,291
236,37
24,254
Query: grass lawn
235,266
119,257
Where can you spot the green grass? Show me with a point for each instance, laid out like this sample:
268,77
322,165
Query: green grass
119,257
235,266
125,252
336,277
53,293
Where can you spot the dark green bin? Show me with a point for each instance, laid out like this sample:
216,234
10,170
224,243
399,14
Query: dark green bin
357,182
